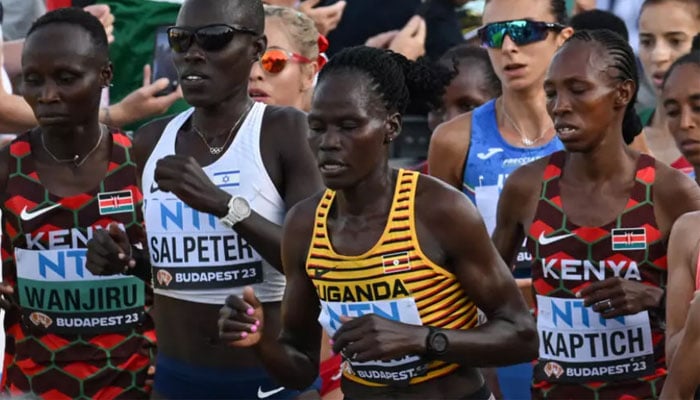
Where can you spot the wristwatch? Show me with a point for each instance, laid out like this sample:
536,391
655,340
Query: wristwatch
238,210
436,343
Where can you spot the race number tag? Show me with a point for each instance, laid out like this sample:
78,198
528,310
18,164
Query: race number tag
397,372
59,295
578,345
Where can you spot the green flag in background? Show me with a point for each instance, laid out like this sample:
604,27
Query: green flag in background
135,26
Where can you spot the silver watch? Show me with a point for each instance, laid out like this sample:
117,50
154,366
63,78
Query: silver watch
238,210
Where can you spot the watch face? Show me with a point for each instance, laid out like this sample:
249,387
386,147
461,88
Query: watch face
240,206
439,342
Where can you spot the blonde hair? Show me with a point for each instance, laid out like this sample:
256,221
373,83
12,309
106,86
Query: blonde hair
300,27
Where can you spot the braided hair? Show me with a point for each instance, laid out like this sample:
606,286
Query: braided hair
619,56
471,57
398,81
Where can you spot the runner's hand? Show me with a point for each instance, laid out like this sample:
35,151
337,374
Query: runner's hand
371,337
182,176
615,297
7,296
241,320
104,14
109,252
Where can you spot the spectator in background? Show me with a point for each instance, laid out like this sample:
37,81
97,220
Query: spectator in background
666,30
285,74
326,18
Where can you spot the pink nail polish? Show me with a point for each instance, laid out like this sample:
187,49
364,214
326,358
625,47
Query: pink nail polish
257,322
254,328
244,335
250,311
330,341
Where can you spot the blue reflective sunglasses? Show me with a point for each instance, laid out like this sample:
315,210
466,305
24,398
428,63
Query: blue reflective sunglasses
520,31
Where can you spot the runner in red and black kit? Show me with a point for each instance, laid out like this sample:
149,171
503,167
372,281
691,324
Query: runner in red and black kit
70,334
597,218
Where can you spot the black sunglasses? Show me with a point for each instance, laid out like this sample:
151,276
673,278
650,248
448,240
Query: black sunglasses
520,31
209,38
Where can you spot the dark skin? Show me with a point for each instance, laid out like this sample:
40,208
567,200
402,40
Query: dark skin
188,330
354,131
62,83
598,174
681,100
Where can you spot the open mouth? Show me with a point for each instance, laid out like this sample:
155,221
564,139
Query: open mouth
331,166
564,129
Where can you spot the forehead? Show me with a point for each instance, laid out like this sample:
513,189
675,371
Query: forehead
200,13
578,58
278,34
345,91
684,81
505,10
670,16
58,41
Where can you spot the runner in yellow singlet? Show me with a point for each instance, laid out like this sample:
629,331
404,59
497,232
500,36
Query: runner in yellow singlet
395,261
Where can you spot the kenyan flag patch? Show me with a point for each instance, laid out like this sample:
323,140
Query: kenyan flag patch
629,239
115,202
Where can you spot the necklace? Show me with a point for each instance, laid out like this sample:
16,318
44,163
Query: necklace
523,138
76,157
214,150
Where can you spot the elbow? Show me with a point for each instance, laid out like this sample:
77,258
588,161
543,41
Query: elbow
527,339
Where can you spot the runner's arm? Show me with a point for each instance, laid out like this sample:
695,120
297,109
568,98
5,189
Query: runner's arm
682,258
294,359
683,376
448,150
509,336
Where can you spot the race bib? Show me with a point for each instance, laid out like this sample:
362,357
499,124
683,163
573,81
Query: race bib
59,295
578,345
397,372
192,250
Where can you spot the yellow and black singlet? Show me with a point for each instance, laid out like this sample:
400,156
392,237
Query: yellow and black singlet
394,280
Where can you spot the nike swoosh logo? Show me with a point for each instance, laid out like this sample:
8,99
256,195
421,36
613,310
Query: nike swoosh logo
29,215
264,395
492,151
544,240
154,187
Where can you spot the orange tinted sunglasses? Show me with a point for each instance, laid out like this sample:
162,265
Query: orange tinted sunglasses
275,60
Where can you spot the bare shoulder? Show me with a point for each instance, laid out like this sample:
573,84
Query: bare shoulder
674,191
687,224
300,218
524,181
439,204
448,149
283,122
147,136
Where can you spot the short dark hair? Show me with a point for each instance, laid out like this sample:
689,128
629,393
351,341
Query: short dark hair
691,58
77,17
398,81
600,19
620,56
472,56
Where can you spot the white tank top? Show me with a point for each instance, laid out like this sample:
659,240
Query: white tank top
195,257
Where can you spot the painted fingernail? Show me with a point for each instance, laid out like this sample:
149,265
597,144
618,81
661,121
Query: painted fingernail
578,295
330,341
244,335
257,322
132,263
254,328
122,256
250,311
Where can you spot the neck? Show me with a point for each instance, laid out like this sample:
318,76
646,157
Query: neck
528,111
372,194
608,159
65,142
218,119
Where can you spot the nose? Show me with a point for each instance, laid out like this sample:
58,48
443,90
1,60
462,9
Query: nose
660,53
559,104
689,119
49,93
508,45
256,73
329,140
194,53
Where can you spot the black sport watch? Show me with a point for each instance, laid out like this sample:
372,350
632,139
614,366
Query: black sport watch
436,343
